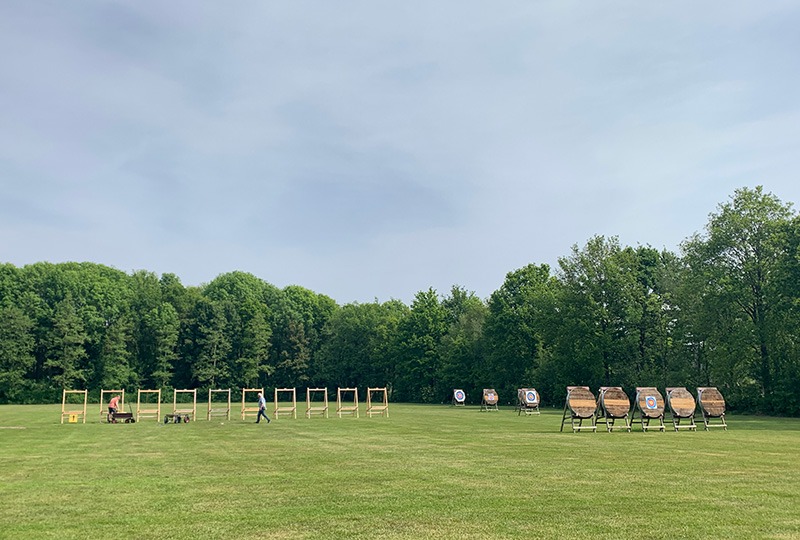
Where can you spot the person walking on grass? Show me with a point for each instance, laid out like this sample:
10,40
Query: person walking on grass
262,408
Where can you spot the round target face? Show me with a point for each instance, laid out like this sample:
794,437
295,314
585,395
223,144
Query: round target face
530,396
650,402
490,396
459,395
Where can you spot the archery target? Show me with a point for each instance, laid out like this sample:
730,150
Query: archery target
531,397
459,395
650,402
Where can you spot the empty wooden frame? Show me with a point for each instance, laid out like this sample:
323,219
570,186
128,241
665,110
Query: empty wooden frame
612,405
489,400
712,405
459,398
682,408
649,404
185,408
75,410
580,405
346,407
288,410
246,409
146,409
379,406
527,401
316,407
217,409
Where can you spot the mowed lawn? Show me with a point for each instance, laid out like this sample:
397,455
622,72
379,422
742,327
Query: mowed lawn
423,472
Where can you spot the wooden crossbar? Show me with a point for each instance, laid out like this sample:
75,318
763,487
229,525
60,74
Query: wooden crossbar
285,409
350,408
77,412
311,408
104,407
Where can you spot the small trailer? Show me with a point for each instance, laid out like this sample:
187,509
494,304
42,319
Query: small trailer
176,418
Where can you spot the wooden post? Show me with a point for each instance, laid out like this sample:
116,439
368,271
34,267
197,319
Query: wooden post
249,411
103,409
349,408
148,412
286,410
381,408
184,410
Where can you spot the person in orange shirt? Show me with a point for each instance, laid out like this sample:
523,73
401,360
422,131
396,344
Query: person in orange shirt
112,407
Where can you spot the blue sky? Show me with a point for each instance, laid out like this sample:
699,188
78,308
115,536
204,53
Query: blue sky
370,150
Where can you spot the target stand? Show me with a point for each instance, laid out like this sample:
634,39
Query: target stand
104,415
218,409
489,400
380,406
580,405
613,404
459,398
527,401
246,410
71,410
682,408
649,404
146,409
349,407
316,407
712,405
185,409
285,409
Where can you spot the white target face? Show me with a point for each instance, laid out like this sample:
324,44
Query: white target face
490,396
650,402
459,395
531,397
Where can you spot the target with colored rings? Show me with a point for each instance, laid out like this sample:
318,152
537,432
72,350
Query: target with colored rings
459,395
650,402
530,396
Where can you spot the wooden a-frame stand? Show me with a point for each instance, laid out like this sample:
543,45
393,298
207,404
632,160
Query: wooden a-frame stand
250,411
148,411
350,407
215,408
68,410
286,410
612,405
682,408
712,405
183,408
649,404
311,408
104,407
381,406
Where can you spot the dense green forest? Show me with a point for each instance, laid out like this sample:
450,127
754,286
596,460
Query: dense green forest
725,311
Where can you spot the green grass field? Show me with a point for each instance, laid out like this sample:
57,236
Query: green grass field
424,472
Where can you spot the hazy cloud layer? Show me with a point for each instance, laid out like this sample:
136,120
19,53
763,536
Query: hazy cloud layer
374,149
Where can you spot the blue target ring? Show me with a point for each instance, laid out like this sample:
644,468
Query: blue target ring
530,396
459,395
650,402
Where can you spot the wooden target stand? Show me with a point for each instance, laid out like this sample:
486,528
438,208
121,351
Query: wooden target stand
528,401
349,407
316,407
181,410
148,411
581,405
459,398
613,404
103,403
489,400
286,410
682,408
381,406
215,408
712,405
250,411
650,405
69,410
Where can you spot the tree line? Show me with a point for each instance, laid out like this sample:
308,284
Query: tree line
723,312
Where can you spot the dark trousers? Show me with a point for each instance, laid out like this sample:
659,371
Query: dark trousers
262,412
